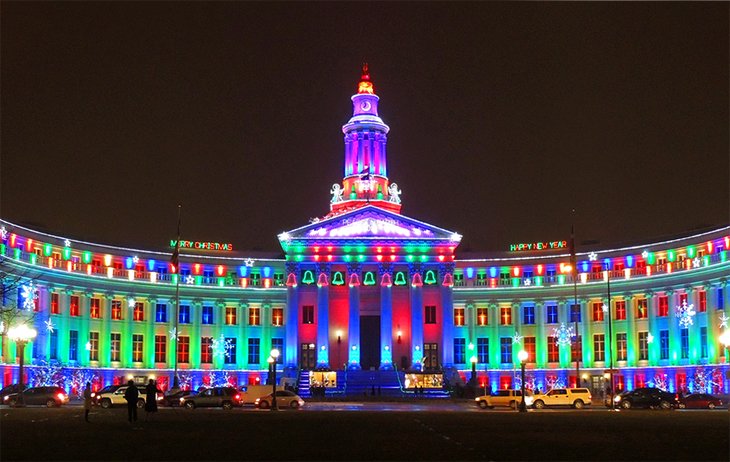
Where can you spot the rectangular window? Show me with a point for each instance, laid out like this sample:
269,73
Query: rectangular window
161,312
95,308
703,342
115,341
460,351
553,350
93,346
254,316
663,344
483,350
183,349
73,306
254,345
55,307
73,345
430,314
720,298
307,314
207,313
620,309
574,313
278,344
117,310
230,356
54,345
137,347
642,308
551,312
597,311
255,280
530,347
184,314
231,319
702,298
482,316
277,317
206,350
528,315
576,349
621,346
682,298
138,313
684,339
160,348
663,306
643,346
505,350
505,316
458,316
599,347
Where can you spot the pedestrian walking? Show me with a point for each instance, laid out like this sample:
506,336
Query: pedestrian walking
131,395
87,401
150,402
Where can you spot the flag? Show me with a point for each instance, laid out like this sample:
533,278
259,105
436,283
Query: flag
175,259
365,174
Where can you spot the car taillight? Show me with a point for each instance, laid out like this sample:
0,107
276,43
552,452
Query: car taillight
238,396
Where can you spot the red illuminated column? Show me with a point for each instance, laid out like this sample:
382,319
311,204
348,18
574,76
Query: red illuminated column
447,322
386,318
416,317
353,334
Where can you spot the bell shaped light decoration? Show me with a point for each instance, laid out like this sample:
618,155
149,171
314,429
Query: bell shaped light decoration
417,281
386,280
322,280
354,280
448,280
291,280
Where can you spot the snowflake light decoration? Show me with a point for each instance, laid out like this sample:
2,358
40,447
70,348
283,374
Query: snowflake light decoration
131,302
173,333
49,326
649,338
696,262
135,259
593,256
29,294
563,335
685,313
3,233
517,338
189,279
222,347
723,320
644,254
248,262
66,243
528,282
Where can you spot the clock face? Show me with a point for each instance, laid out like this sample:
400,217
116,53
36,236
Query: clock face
365,106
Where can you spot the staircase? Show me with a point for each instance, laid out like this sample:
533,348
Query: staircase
303,384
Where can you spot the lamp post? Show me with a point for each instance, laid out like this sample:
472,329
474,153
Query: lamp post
607,309
339,347
21,334
272,363
473,361
522,356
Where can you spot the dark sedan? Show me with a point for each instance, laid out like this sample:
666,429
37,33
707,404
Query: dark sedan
47,396
647,398
699,401
225,397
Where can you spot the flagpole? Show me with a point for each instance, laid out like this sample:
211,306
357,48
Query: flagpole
176,258
574,262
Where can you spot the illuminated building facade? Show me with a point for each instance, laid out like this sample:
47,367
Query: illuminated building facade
371,294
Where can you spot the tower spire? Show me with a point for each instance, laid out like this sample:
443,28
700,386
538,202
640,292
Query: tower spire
366,85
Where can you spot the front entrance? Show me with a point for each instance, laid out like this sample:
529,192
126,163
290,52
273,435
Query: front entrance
430,356
369,342
307,356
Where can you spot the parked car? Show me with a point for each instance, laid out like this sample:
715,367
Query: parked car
116,397
699,401
509,398
573,397
284,398
95,396
225,397
48,396
10,390
172,398
646,398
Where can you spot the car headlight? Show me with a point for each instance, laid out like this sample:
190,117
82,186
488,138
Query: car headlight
617,398
6,398
529,400
477,399
93,395
257,400
182,399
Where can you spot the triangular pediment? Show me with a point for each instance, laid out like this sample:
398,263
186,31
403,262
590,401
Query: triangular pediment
369,223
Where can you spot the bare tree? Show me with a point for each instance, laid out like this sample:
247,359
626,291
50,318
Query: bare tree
15,285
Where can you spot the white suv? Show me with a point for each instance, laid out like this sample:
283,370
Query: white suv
510,398
574,397
116,397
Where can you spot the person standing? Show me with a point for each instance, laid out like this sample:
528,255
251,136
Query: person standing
131,395
87,401
150,403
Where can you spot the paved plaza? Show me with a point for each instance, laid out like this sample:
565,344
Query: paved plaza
356,431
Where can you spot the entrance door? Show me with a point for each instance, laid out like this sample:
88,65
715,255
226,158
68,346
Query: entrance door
430,356
307,356
369,342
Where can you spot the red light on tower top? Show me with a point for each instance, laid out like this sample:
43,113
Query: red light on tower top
365,85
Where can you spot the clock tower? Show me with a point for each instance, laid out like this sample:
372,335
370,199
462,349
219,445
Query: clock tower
366,170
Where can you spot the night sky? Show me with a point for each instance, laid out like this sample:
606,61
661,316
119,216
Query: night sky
503,117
